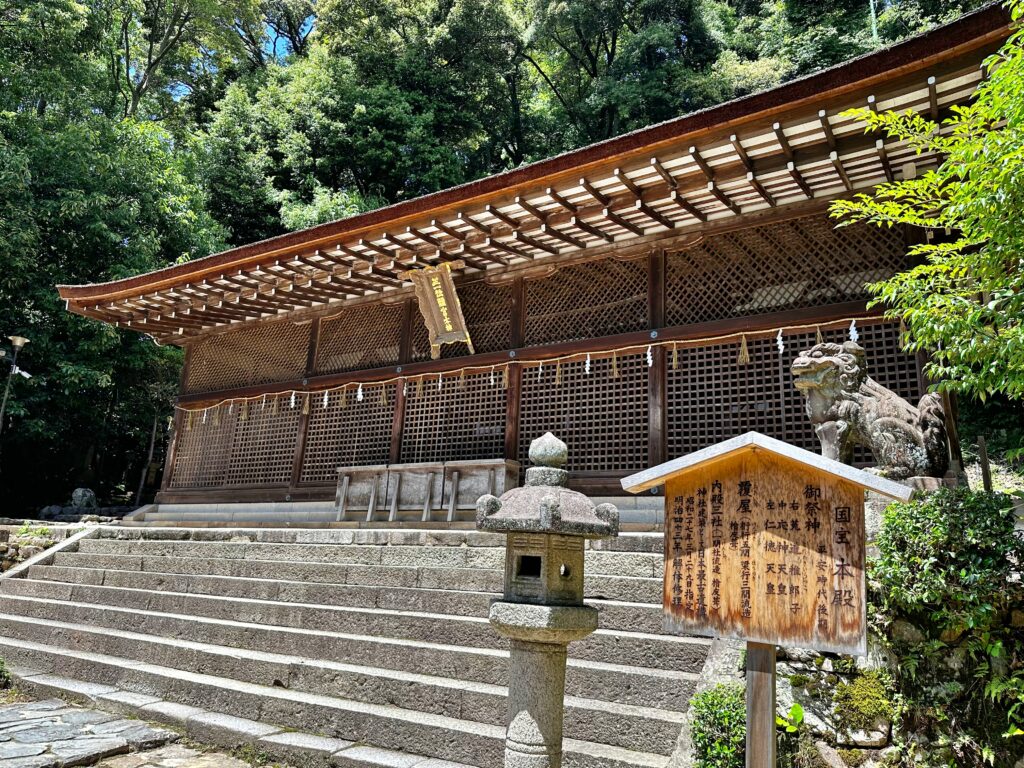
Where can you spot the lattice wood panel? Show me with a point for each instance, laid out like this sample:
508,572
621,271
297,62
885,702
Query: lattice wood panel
711,397
202,451
601,418
250,445
357,434
463,420
263,354
488,313
787,265
263,448
599,298
363,336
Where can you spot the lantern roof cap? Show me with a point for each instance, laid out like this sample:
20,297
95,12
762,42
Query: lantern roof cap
544,504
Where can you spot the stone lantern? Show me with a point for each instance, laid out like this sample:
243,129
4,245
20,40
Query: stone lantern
542,609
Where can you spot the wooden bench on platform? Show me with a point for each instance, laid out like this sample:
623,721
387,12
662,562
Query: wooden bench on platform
431,491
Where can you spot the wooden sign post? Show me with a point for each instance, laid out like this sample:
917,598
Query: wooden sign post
765,542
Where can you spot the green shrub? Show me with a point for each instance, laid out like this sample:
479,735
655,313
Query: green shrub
719,727
944,595
5,676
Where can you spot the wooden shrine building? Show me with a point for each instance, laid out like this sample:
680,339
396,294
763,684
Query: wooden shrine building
642,298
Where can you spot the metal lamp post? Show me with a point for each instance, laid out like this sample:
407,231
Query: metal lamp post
17,342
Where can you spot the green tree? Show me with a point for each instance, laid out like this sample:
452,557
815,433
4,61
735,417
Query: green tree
965,301
614,65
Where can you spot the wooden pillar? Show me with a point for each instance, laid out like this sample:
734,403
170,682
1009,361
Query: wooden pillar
518,330
657,398
656,289
172,449
306,405
405,349
760,705
515,381
397,423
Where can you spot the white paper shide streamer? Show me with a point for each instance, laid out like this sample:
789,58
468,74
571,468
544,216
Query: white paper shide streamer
359,394
780,343
854,334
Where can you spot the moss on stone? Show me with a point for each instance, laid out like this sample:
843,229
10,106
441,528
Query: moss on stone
854,758
863,701
799,681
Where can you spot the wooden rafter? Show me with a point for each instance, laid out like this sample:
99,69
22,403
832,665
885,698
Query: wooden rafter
799,180
760,189
660,169
719,194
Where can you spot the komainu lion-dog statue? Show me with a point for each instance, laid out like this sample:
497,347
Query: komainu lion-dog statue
848,408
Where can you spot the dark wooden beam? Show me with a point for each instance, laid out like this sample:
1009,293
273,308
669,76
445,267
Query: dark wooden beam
741,153
502,217
534,243
883,156
826,127
491,242
798,178
702,164
452,233
563,236
513,396
397,423
663,172
759,188
423,237
838,165
780,136
562,201
624,180
719,194
602,198
614,218
655,216
531,209
590,229
678,199
482,228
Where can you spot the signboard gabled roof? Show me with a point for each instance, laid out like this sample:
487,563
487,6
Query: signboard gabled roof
752,441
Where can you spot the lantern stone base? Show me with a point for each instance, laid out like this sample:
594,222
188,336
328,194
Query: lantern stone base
539,635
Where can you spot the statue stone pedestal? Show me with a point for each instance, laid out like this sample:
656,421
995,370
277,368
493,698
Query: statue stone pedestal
539,635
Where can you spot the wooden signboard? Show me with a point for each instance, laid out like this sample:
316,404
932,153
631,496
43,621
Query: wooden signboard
439,304
765,542
760,549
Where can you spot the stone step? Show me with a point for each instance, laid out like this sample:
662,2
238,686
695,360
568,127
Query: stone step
625,588
438,736
625,542
613,646
630,727
637,617
614,682
216,729
636,564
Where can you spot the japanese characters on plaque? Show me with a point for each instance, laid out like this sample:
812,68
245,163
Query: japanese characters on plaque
766,551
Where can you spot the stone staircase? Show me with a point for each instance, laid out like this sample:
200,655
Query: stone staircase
370,647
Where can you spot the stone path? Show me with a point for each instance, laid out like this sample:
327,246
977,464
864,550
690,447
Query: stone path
54,734
174,756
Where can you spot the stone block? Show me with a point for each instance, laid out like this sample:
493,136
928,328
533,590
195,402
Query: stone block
302,750
226,730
